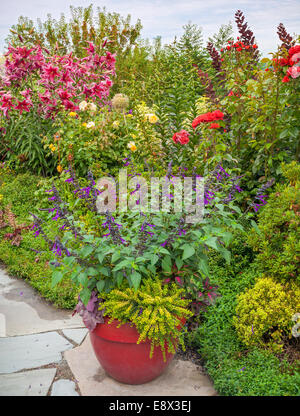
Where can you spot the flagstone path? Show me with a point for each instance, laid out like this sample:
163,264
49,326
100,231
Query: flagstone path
46,351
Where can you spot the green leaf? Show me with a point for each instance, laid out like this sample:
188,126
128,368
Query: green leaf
166,264
91,271
135,279
254,225
83,279
179,263
100,285
104,270
85,295
56,278
154,259
123,264
212,242
188,251
203,265
116,255
120,278
86,251
226,255
227,238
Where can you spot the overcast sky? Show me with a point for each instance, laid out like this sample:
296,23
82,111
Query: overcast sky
166,17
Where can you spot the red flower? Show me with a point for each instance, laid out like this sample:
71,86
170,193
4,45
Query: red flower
6,103
181,137
51,72
283,61
254,46
214,126
64,95
23,106
294,49
218,115
285,79
207,117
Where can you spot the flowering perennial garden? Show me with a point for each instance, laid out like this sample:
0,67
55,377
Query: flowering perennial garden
90,103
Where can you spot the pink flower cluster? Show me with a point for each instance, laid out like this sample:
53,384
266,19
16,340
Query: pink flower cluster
50,84
293,61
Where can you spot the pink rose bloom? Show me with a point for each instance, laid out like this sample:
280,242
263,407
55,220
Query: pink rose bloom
294,71
295,58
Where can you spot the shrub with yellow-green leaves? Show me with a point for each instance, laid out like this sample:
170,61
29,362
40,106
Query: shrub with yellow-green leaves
155,309
264,313
278,243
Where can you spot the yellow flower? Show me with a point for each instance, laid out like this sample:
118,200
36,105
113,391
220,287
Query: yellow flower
129,115
1,197
115,124
152,118
84,124
132,146
72,114
59,168
52,147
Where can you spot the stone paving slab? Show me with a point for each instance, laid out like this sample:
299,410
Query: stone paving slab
31,351
27,313
27,383
63,387
182,378
2,325
76,335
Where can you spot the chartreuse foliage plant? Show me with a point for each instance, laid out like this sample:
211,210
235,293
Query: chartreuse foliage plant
277,244
264,313
155,309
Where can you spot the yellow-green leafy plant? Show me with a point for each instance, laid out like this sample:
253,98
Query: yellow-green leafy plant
278,243
264,313
156,310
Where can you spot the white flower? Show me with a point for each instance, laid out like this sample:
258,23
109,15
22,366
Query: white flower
90,124
83,106
92,107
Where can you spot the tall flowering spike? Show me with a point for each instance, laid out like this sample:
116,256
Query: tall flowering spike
214,54
246,35
286,39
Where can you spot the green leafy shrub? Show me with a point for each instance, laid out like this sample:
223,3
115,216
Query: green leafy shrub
278,243
155,309
29,260
235,369
264,313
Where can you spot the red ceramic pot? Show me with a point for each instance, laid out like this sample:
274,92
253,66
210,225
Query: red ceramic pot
122,358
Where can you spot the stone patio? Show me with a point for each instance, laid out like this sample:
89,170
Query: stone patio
47,352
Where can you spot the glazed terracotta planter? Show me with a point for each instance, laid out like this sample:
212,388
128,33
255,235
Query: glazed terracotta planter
122,358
